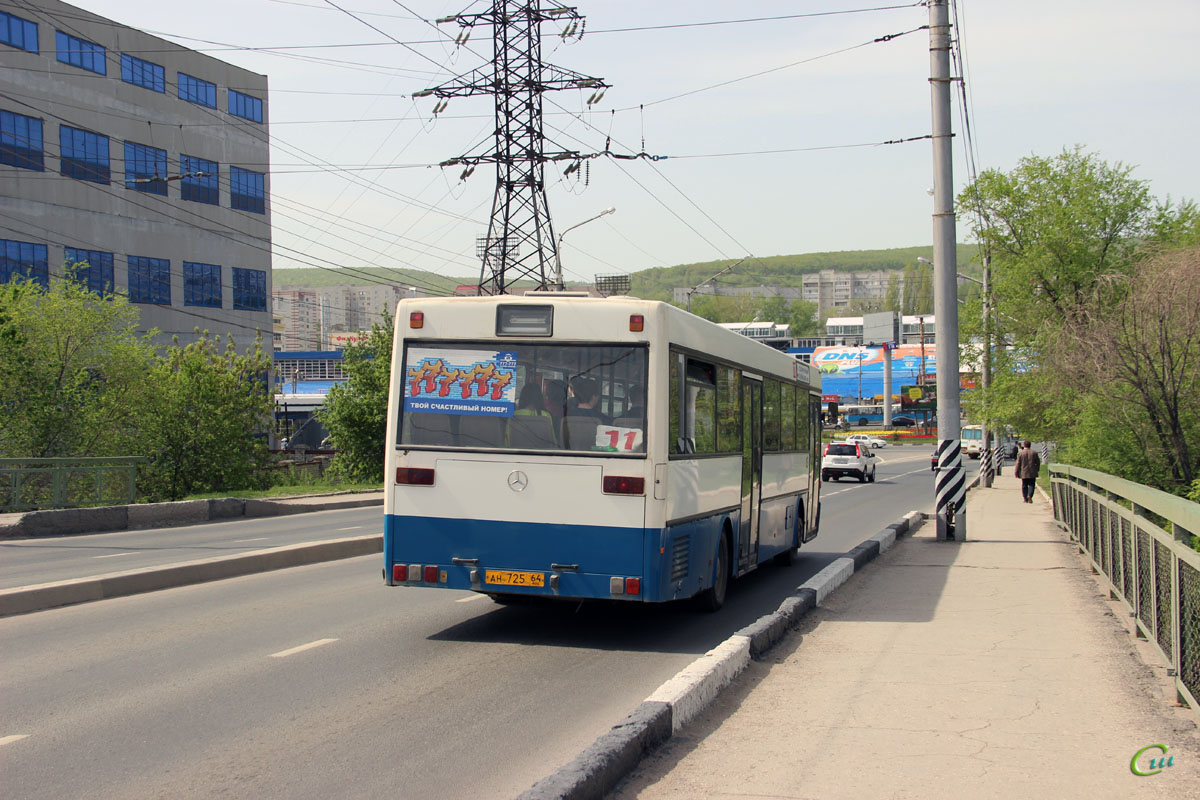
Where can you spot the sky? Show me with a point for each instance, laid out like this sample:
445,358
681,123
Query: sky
769,118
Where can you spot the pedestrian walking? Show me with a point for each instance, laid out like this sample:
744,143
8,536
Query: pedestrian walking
1027,469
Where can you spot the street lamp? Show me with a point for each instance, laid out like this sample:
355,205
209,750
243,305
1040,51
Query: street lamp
558,279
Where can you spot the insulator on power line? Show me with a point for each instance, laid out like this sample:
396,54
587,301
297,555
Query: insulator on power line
572,167
466,173
596,97
440,107
462,37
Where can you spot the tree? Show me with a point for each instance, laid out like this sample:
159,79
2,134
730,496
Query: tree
1136,345
355,411
891,299
1088,358
206,419
1056,226
72,371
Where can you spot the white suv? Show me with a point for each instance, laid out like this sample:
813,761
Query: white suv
848,458
867,439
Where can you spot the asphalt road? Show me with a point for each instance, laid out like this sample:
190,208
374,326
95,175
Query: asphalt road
320,681
24,562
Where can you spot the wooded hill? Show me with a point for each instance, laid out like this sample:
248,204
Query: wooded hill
655,283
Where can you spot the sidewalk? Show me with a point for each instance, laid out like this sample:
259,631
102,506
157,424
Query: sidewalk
995,668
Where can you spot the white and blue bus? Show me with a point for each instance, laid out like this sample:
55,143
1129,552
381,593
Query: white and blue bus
586,448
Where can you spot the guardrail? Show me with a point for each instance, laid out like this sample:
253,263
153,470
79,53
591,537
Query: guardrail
32,483
1137,537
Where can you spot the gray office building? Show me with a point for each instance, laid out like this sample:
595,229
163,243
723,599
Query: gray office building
143,160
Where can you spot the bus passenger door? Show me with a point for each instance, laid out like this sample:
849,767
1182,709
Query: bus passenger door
751,472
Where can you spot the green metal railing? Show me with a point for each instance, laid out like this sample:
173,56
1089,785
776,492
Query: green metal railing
32,483
1138,538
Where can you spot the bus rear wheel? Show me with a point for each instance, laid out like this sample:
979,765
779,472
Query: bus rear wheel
712,598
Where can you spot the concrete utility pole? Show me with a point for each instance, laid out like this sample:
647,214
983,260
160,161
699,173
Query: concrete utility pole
950,483
986,378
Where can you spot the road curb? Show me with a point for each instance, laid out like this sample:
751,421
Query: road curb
599,768
26,599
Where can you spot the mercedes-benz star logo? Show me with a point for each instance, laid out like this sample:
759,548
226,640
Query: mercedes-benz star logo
517,480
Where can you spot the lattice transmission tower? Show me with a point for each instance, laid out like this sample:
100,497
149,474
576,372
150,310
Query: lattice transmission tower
520,241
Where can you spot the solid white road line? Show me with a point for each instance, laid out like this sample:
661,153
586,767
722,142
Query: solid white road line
472,597
16,737
115,555
351,528
301,648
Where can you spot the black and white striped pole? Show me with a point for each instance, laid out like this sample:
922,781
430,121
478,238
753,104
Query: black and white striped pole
950,482
1045,453
998,455
986,470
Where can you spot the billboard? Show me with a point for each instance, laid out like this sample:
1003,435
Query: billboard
858,371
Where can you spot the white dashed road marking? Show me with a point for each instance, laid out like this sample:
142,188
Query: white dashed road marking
16,737
472,597
259,539
301,648
115,555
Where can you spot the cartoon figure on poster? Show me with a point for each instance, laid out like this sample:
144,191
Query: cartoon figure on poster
466,382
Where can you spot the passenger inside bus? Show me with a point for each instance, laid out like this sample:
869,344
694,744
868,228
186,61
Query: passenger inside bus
636,409
532,426
585,393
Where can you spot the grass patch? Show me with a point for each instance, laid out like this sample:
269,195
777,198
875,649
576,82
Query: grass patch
292,490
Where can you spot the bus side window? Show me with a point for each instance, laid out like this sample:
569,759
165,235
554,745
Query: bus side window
787,418
701,406
770,412
729,410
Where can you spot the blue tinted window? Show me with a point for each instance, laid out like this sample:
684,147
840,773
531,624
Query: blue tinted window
93,268
83,154
18,32
201,284
143,73
245,106
24,258
199,181
197,91
249,289
21,141
247,190
145,169
150,280
81,53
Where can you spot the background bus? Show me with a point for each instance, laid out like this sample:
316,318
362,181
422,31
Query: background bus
523,459
862,415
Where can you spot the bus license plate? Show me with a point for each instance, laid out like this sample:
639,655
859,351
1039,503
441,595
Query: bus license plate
508,578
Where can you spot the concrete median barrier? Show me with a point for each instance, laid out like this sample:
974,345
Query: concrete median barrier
105,519
25,599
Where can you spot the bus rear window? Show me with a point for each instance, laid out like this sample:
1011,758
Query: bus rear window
522,397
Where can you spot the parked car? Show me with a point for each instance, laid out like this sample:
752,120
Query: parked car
865,438
848,458
903,422
933,462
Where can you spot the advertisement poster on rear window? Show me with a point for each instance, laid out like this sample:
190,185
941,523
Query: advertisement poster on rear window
468,382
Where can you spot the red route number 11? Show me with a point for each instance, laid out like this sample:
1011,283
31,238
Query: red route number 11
625,439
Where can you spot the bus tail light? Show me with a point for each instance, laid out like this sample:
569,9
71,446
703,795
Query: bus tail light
636,322
633,586
618,484
431,573
416,319
399,573
414,476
